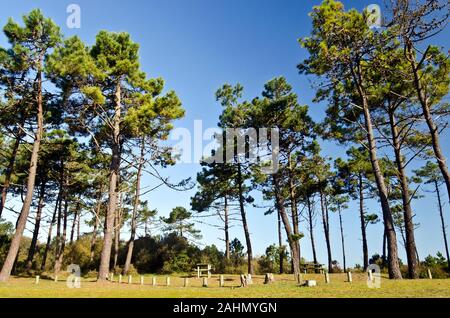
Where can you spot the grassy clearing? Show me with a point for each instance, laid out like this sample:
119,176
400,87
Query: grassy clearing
283,287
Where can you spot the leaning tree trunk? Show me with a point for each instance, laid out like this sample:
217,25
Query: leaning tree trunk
135,209
424,102
393,263
22,220
410,244
441,213
279,203
342,239
37,224
311,229
326,230
112,200
9,170
363,223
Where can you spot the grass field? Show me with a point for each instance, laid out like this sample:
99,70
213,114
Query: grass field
283,287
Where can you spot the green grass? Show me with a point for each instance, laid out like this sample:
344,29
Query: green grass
283,287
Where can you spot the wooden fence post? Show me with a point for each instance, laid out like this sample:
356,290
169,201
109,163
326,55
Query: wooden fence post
186,282
429,274
37,280
153,281
221,281
349,277
56,279
167,281
142,280
130,279
205,282
327,277
120,278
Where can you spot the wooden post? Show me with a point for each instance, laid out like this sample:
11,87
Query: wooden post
198,271
221,281
429,274
153,281
120,278
56,279
186,282
142,280
209,271
370,275
327,278
268,279
167,281
249,279
205,282
130,279
37,280
243,280
349,277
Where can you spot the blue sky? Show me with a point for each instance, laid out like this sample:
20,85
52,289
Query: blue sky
196,46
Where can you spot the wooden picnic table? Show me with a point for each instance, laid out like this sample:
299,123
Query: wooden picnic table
204,268
318,268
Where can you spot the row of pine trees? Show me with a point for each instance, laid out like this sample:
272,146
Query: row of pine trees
81,125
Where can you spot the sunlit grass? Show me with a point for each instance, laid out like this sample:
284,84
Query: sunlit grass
284,287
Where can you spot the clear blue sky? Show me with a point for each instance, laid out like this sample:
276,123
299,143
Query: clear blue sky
196,46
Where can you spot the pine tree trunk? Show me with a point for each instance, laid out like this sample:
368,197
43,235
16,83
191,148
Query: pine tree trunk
280,243
424,102
384,256
279,203
342,240
49,236
326,231
393,263
441,213
62,242
74,222
96,224
294,208
22,220
116,237
410,244
311,230
37,224
363,223
112,200
244,221
135,209
226,229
